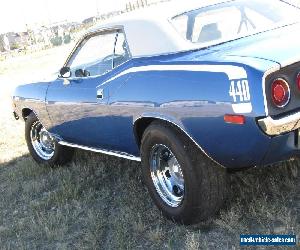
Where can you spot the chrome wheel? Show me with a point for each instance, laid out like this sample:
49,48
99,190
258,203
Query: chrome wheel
167,175
42,142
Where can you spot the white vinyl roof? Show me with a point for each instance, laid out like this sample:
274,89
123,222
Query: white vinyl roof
149,30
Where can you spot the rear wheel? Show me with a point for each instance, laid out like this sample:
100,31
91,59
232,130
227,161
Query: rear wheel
42,146
166,175
183,182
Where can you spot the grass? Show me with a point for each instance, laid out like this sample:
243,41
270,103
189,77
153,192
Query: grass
100,202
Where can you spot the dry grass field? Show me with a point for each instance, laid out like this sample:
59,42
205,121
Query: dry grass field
99,202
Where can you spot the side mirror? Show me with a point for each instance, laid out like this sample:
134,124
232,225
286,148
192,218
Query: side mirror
65,72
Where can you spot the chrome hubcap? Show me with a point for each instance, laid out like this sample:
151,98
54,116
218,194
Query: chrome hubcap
167,175
43,143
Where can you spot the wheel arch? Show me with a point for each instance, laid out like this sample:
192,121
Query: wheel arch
141,124
26,111
139,127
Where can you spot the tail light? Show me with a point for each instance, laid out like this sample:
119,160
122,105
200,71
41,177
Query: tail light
280,93
298,81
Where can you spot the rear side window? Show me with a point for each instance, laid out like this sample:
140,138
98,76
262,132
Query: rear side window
234,19
181,24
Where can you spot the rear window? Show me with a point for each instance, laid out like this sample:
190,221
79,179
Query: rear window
231,20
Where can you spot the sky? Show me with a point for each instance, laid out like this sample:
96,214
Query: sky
15,14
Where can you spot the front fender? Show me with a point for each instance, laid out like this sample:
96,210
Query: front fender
32,97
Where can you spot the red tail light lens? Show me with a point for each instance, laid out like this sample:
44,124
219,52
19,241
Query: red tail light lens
298,81
280,93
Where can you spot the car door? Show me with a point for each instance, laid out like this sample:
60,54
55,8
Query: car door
77,105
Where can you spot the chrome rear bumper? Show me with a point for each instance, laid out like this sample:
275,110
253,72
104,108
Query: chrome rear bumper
279,126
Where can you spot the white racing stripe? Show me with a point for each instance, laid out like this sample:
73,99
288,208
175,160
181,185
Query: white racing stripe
233,72
242,108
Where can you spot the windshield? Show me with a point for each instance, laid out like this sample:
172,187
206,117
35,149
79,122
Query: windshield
234,19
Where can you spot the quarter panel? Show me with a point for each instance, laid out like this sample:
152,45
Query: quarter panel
197,103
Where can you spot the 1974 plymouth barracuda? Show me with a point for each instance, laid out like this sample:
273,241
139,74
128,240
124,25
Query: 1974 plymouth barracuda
189,88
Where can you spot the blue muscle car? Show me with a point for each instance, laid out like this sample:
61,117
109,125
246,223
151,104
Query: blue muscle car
189,88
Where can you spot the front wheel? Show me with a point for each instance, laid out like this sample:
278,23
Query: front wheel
43,148
183,182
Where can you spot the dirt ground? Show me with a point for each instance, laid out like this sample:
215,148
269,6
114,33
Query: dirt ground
99,202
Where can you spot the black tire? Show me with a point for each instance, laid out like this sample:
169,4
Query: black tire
61,155
205,182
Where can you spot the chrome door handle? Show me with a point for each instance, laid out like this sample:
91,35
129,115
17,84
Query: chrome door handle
100,94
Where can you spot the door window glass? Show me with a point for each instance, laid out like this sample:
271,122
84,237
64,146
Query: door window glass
94,56
121,50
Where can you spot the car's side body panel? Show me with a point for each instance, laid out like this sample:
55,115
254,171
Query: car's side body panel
192,90
197,102
192,95
32,97
87,121
181,89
